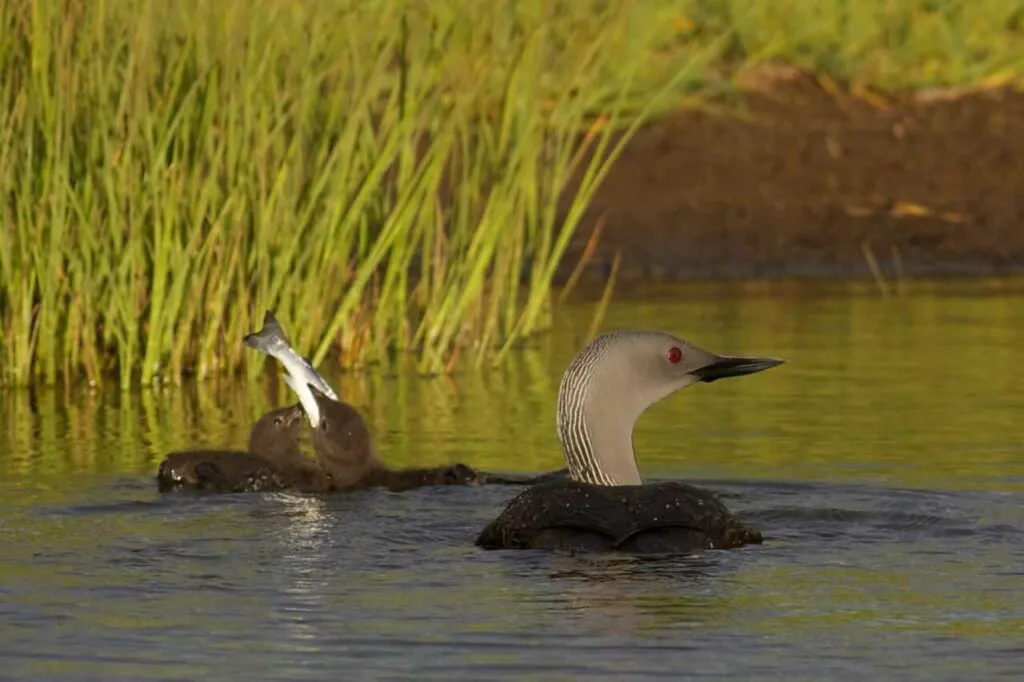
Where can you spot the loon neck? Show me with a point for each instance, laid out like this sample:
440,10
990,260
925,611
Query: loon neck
595,427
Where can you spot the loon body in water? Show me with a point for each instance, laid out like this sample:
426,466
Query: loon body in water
273,462
341,437
603,505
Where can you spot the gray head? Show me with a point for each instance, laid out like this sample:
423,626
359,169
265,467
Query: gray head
613,381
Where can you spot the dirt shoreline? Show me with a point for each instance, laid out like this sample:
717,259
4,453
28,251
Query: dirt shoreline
804,181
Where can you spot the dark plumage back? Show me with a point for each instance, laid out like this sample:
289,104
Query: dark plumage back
667,517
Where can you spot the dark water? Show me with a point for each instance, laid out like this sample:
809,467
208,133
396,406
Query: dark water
884,464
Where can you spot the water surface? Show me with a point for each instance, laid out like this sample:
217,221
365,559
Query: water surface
884,463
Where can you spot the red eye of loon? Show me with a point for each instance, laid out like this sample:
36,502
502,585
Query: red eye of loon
674,354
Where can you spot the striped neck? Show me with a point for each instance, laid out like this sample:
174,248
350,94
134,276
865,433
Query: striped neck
595,423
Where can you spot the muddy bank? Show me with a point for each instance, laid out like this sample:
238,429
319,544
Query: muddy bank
800,181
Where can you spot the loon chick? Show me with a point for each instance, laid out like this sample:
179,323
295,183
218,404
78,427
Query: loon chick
273,462
603,506
341,438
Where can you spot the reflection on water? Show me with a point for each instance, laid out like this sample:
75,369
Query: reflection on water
884,463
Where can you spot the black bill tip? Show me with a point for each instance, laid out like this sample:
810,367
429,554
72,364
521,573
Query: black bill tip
726,367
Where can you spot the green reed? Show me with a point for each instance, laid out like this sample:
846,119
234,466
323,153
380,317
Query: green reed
395,179
387,176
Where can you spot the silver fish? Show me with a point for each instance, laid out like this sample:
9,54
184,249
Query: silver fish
271,340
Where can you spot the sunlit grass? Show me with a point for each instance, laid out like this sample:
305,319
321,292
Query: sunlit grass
387,176
892,45
888,44
384,175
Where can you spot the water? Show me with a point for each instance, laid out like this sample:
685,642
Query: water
884,463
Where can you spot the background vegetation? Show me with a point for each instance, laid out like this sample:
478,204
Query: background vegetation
864,356
388,175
